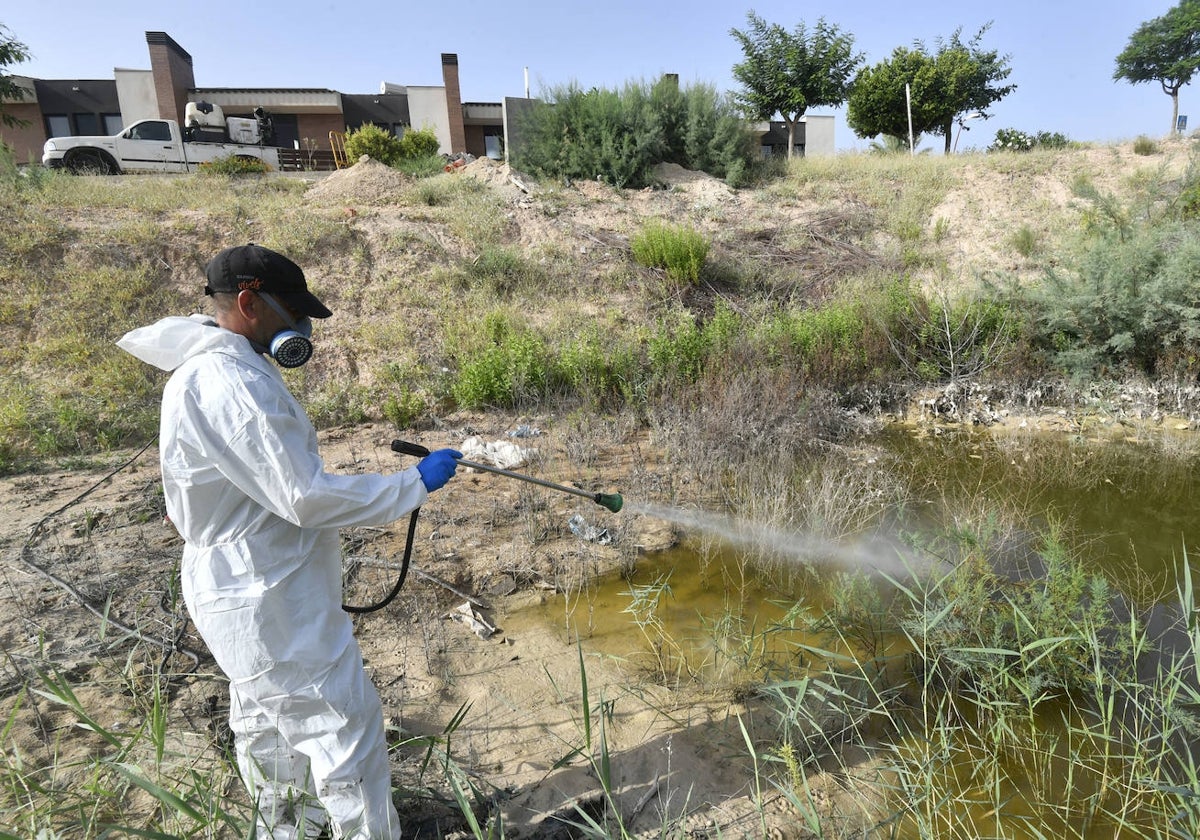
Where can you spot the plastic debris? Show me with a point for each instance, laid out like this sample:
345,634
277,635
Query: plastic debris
590,533
467,615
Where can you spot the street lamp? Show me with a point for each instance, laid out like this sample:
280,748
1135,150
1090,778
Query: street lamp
961,127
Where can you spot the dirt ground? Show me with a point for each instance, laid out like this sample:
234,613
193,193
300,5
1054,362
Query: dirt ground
91,577
93,543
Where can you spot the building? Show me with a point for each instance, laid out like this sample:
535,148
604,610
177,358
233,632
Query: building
813,137
302,117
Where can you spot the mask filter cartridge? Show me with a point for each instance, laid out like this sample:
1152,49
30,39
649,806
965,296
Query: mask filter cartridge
290,348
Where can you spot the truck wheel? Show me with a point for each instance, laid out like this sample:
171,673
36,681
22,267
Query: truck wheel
91,162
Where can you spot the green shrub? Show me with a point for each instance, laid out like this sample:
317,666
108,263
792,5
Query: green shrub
1011,140
418,143
1130,301
1029,640
512,367
504,271
1144,146
235,165
378,143
680,251
618,136
1025,241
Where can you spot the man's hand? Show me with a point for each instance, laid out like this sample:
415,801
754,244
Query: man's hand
437,467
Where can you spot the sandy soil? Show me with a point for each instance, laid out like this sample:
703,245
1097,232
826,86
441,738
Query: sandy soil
93,542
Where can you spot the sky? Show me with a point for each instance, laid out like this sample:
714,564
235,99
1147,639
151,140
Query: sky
1062,52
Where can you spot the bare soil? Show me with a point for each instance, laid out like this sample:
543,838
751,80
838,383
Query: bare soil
89,591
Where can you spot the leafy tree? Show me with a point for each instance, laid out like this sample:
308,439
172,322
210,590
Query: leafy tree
12,51
956,79
787,73
1164,50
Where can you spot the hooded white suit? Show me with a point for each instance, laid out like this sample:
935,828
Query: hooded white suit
261,577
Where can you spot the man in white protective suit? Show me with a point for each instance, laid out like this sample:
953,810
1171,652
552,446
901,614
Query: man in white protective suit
261,570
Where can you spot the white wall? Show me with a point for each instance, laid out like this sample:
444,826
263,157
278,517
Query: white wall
818,135
427,109
135,95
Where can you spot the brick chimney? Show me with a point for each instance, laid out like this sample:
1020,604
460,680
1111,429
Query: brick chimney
171,68
454,110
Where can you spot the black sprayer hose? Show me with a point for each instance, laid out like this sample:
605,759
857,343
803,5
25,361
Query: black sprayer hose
408,545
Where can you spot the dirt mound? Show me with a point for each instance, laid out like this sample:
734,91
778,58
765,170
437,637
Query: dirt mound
366,182
704,187
513,186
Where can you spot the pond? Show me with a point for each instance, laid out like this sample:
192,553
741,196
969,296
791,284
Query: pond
1128,510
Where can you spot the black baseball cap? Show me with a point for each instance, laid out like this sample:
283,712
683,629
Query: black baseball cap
257,269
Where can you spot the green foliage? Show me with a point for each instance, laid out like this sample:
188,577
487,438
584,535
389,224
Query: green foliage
679,250
956,79
512,367
1012,140
682,347
787,73
378,143
12,52
1027,641
418,143
504,271
617,137
1144,146
1164,50
235,165
1025,241
1131,301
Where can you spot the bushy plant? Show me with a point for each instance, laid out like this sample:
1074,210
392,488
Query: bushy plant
618,136
1131,301
514,365
1144,146
679,250
378,143
1012,140
235,165
418,143
1032,639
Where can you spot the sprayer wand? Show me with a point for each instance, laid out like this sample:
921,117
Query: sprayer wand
611,501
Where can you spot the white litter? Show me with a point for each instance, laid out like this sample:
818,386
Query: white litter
500,453
467,615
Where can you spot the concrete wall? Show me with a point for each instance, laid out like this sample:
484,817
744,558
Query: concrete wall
135,92
427,109
818,136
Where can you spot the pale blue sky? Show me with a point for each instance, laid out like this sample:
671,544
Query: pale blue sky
1062,52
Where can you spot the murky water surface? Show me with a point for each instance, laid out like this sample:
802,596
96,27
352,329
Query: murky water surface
1131,510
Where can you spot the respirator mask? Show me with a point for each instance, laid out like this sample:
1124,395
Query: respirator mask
292,347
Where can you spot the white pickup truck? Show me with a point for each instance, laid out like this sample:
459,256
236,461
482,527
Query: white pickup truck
161,146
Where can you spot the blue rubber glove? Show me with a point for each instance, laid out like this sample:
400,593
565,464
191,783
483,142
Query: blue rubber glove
437,467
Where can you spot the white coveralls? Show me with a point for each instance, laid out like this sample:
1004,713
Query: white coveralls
261,575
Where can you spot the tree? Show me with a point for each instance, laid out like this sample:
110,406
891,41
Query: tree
788,73
1164,50
956,79
12,51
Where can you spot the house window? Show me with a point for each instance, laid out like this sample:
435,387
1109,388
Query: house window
87,125
112,124
58,125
